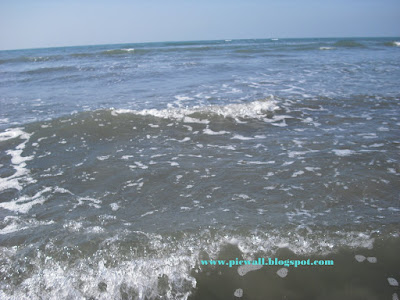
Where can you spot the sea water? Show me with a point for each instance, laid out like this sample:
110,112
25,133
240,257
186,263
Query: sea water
122,167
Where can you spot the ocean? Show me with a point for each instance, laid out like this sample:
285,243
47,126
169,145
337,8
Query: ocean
124,168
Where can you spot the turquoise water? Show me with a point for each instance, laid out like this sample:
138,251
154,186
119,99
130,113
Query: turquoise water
122,166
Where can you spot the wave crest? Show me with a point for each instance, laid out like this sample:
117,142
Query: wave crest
348,44
252,110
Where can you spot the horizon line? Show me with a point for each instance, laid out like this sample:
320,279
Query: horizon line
224,39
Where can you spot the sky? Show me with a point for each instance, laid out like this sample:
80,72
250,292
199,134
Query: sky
54,23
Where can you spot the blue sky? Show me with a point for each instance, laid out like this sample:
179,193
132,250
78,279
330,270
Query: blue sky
49,23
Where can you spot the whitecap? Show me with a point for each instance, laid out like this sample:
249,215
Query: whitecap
255,109
210,132
241,137
343,152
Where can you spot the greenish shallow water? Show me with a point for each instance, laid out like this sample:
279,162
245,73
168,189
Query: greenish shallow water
346,279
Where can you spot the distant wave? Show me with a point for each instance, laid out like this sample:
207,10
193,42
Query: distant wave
392,44
326,48
348,44
251,50
50,69
118,51
112,52
196,48
193,43
141,51
23,59
87,54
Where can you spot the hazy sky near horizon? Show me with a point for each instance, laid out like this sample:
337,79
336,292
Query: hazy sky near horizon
50,23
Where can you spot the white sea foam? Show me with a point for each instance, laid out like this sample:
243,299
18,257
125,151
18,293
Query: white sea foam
260,136
140,165
210,132
166,269
73,226
343,152
11,228
114,206
282,272
300,154
244,269
187,119
90,201
13,133
255,162
126,157
103,157
17,158
18,161
281,124
255,109
61,190
15,224
230,147
359,257
371,135
145,278
392,281
148,213
312,169
298,173
241,137
238,293
94,229
182,98
376,145
268,242
24,203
